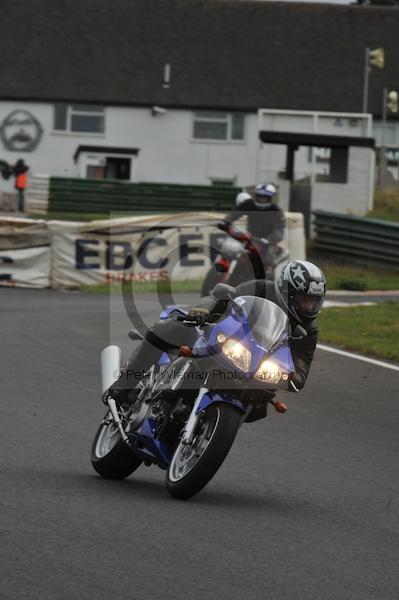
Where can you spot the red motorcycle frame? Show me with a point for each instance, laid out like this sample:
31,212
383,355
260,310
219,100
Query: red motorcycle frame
243,257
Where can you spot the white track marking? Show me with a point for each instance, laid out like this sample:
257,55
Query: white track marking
379,363
339,303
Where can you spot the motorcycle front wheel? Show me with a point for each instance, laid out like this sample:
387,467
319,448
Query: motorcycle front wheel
193,465
110,456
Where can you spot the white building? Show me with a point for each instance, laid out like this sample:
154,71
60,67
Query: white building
169,91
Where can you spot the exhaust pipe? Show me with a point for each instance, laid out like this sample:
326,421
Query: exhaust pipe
110,370
110,366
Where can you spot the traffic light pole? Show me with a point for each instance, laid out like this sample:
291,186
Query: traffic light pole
366,81
382,163
384,113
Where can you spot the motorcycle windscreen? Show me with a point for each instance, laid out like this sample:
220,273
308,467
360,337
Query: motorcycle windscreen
268,322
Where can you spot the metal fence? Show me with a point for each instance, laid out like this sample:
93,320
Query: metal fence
365,240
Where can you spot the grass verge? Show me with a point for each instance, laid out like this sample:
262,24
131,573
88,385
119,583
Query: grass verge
371,330
344,277
386,204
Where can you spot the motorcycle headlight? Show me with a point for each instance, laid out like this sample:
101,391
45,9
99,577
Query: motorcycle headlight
269,372
239,355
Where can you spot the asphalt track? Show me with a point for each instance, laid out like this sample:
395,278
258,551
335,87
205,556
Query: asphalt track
305,507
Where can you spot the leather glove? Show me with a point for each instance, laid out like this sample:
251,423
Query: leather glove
201,314
223,226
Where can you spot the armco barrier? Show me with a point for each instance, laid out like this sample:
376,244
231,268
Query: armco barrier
38,253
93,195
368,240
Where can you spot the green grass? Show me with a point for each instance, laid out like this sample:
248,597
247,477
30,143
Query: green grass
344,277
386,204
371,330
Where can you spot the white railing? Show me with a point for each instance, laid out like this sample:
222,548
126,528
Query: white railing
37,193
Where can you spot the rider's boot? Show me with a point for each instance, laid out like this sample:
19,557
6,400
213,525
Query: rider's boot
123,389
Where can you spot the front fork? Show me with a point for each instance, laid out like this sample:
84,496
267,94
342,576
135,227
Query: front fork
114,412
188,431
204,399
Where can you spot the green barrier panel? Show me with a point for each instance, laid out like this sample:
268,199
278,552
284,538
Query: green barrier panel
92,195
375,241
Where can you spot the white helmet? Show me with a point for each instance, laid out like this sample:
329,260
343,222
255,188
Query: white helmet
242,197
301,288
264,194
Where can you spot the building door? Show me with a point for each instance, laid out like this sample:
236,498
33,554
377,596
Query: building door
95,172
117,168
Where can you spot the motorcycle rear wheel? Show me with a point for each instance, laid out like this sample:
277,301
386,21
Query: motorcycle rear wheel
110,456
193,465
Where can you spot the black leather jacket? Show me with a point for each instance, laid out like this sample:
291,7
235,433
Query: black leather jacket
267,222
302,350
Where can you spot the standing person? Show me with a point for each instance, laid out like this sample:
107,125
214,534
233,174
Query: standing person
21,179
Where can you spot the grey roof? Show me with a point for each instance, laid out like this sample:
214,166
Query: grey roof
320,140
223,53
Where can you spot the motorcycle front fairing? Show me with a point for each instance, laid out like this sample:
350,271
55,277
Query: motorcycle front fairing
262,328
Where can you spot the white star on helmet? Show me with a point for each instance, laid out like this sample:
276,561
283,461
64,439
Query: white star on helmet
298,273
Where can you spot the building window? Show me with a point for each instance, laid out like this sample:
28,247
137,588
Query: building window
336,161
223,182
218,126
80,118
384,135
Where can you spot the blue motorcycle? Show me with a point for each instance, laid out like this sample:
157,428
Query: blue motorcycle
189,406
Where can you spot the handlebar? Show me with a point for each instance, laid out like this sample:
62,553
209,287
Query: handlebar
190,320
186,318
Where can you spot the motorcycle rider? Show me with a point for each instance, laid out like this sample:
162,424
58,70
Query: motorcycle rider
264,218
299,290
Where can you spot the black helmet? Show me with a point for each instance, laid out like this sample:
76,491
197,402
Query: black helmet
301,288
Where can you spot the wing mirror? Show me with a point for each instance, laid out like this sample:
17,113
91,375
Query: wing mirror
222,291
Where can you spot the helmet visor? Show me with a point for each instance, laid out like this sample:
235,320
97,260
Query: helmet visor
307,305
262,200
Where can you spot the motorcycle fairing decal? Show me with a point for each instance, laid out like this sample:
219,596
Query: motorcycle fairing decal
211,397
165,359
169,310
